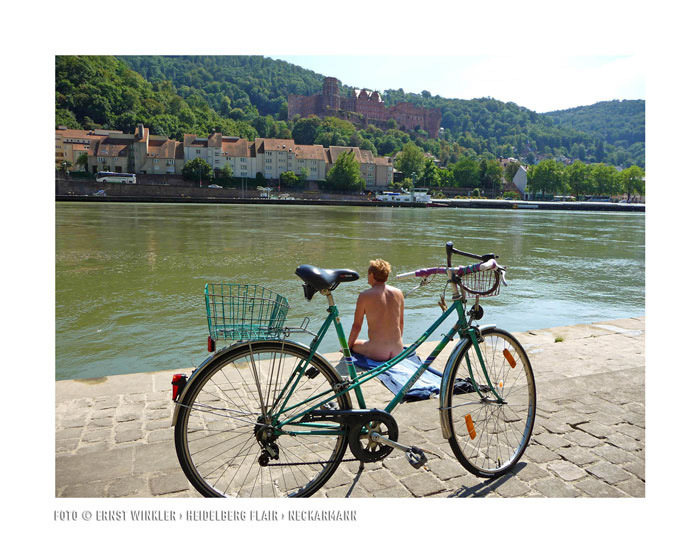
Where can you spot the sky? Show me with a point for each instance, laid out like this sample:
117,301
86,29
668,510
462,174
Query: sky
565,81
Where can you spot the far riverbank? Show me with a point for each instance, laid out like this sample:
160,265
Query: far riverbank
83,191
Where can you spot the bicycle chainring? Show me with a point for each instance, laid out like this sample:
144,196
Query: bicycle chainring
363,447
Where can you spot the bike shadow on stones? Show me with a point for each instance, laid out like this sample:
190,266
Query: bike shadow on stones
484,488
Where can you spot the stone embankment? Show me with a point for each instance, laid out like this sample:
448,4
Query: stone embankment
114,439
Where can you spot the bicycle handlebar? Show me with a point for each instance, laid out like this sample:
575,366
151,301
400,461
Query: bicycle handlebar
460,271
450,249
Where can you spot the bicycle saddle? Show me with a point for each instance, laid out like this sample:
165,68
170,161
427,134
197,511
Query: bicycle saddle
316,279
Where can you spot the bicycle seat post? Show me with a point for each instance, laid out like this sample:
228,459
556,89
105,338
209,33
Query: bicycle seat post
329,297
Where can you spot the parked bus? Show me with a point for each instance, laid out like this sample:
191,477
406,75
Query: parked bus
108,176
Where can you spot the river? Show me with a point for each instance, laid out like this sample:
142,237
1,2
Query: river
130,277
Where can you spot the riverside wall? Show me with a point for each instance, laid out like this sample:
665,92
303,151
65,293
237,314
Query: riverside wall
176,192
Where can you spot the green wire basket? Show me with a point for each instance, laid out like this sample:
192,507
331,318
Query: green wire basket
244,312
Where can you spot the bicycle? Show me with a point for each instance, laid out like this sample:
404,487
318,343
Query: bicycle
269,416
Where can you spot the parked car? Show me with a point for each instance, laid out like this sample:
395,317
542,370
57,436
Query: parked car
100,193
215,186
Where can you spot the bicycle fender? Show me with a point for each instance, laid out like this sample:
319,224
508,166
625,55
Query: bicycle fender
451,366
216,356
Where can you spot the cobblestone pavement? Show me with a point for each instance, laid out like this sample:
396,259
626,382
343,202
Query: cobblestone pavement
114,439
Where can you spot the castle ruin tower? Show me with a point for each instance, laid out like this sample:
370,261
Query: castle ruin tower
331,93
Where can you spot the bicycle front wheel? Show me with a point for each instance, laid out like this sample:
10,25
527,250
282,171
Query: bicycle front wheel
228,435
488,435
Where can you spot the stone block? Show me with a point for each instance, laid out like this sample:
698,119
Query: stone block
583,439
132,486
539,454
595,429
422,484
155,457
554,487
597,488
632,487
636,432
100,435
169,482
158,424
529,472
128,436
566,471
614,454
625,442
396,491
92,489
551,441
69,433
608,472
444,469
159,435
578,455
92,467
510,486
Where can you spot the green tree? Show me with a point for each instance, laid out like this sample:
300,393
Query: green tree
466,173
632,181
345,174
83,160
446,177
578,177
196,170
490,175
289,179
547,177
410,160
431,175
605,180
510,170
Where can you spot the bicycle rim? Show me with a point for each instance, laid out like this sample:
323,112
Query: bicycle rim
488,436
219,425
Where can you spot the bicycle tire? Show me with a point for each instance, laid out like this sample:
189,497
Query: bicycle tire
488,438
217,428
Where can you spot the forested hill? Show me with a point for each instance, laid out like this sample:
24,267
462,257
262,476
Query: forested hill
618,122
247,96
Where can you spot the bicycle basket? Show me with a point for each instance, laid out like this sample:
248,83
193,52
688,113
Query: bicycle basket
482,283
244,311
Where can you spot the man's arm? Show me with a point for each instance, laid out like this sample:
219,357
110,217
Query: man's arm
357,322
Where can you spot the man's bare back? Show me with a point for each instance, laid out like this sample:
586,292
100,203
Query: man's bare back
383,306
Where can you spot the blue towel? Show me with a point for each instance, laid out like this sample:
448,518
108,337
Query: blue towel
397,376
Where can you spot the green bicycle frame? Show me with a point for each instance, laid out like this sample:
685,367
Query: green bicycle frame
355,383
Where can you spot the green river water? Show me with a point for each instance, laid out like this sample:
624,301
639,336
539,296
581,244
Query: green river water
130,277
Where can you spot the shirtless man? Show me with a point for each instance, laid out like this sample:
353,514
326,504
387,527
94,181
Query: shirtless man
383,306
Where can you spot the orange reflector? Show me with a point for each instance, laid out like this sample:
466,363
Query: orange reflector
470,426
509,358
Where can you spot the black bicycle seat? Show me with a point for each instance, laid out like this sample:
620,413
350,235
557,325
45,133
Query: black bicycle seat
316,279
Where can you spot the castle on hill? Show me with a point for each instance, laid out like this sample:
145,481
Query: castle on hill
363,107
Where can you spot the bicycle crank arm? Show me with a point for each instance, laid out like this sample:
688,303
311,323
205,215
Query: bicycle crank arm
415,455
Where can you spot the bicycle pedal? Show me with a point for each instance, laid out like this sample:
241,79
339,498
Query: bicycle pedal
416,457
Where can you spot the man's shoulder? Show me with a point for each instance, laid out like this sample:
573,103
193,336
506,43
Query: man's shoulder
394,290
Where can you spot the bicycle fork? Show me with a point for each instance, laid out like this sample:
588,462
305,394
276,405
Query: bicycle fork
451,365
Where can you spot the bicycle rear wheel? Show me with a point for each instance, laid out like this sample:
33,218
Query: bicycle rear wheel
488,437
225,435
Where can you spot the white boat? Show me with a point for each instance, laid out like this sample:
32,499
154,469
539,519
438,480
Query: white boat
403,196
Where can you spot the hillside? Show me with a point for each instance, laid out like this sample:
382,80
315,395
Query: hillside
247,96
620,123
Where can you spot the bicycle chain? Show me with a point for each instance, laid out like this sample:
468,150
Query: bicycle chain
309,463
